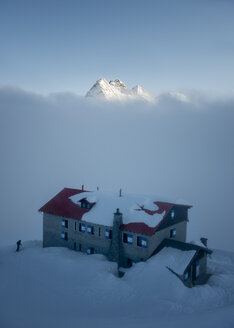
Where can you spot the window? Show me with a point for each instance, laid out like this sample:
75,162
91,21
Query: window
82,227
173,233
64,235
99,232
85,204
75,225
172,214
142,242
90,230
197,269
64,223
90,250
108,234
128,239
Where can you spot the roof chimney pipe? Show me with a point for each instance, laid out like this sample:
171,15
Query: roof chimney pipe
82,187
120,192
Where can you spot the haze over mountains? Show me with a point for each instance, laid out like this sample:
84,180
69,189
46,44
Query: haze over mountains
117,90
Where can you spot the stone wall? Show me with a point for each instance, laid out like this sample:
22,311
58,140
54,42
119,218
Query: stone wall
114,248
52,229
137,253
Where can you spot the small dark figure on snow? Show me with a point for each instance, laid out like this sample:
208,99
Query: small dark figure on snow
18,245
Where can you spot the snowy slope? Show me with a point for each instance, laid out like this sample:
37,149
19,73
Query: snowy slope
56,287
117,90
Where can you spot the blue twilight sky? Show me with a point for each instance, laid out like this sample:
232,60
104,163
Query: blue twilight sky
66,45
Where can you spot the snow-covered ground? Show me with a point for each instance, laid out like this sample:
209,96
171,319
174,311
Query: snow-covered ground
56,287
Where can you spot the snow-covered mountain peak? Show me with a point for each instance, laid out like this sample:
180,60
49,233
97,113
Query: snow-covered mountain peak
102,89
117,83
117,90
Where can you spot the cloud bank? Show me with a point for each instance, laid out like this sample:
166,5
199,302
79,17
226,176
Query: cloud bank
183,150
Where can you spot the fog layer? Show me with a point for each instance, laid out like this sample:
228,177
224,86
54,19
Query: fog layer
180,150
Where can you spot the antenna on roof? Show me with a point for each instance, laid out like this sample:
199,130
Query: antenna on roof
97,188
120,192
82,187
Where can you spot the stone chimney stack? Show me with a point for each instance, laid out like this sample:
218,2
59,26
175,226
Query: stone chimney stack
116,251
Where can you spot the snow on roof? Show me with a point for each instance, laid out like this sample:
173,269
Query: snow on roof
141,213
130,205
198,243
175,259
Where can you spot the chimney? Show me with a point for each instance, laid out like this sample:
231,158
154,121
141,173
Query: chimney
97,188
120,194
82,187
116,251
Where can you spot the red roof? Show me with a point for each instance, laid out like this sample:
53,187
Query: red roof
63,206
143,228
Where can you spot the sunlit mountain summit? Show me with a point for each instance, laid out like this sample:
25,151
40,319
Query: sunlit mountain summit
117,90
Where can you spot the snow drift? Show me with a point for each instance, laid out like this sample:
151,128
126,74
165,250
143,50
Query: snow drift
56,287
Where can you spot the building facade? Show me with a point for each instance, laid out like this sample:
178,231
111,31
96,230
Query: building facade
73,224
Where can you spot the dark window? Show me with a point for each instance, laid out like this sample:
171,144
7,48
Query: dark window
81,227
74,246
173,233
142,242
125,237
75,225
85,204
172,214
80,247
90,250
64,223
90,230
64,235
108,234
99,232
139,241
